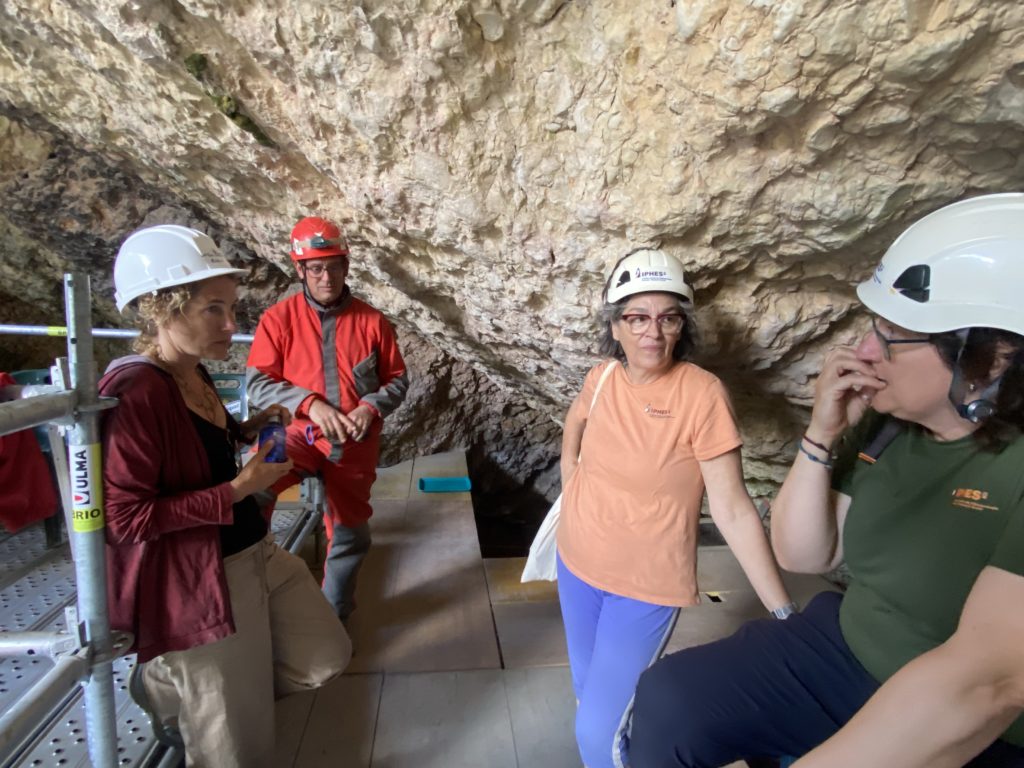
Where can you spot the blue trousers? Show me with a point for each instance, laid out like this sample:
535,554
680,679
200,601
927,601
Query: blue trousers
611,640
772,689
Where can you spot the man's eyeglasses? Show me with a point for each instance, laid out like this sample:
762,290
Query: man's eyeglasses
335,270
670,322
887,341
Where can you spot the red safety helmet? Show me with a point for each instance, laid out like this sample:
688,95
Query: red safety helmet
316,238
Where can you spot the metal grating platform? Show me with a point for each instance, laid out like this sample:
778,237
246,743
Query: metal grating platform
19,552
64,744
285,518
36,585
40,594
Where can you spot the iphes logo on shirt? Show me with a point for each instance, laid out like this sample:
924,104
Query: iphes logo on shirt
657,413
971,498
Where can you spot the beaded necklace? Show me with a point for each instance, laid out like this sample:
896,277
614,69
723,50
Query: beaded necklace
197,394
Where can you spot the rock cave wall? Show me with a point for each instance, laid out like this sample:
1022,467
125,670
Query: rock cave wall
490,159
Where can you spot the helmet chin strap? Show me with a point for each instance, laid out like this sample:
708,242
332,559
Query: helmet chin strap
983,406
305,283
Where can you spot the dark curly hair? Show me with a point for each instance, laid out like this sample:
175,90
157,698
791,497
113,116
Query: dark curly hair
976,360
612,313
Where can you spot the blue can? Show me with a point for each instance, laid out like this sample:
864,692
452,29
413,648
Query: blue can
274,430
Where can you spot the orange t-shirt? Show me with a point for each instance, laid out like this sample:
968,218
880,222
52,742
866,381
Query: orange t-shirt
630,512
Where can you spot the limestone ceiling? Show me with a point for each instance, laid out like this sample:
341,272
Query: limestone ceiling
490,159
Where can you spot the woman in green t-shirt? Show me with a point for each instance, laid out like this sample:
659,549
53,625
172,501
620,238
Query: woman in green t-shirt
910,472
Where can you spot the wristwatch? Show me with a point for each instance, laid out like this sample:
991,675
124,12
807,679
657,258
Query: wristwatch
785,611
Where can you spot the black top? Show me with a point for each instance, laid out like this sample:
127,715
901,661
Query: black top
250,526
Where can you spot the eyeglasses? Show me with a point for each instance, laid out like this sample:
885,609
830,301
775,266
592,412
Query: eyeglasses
335,270
671,322
887,342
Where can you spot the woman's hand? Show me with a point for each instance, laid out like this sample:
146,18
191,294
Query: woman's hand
251,427
842,394
258,474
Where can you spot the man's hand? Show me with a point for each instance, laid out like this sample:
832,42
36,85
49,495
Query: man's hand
361,419
339,427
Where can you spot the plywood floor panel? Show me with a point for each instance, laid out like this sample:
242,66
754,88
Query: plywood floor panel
450,464
543,709
503,574
530,634
341,729
291,714
422,598
444,720
392,482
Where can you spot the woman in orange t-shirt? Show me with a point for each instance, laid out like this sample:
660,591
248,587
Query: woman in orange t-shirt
635,462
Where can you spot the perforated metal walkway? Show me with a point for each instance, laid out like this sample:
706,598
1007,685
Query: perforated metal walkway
36,585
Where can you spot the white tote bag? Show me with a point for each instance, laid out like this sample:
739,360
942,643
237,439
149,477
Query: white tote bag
540,563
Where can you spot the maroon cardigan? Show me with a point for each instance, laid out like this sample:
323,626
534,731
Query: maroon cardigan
166,580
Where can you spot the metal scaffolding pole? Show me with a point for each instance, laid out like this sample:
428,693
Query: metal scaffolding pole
23,414
78,405
52,644
88,524
98,333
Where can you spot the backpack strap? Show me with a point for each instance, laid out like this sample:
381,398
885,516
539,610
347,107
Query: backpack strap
889,431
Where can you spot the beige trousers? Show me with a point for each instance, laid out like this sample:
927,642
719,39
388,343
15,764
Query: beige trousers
287,640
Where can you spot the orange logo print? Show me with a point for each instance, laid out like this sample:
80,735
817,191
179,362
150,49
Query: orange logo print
971,498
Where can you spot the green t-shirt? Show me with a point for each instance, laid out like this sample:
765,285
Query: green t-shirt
924,520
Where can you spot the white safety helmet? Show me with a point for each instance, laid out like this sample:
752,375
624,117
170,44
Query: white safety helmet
165,256
959,267
644,271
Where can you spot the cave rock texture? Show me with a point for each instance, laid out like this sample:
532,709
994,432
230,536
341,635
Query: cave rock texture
491,159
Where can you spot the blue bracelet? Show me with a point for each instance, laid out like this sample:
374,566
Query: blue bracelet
826,463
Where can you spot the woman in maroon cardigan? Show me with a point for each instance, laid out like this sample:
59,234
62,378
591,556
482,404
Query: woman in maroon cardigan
223,618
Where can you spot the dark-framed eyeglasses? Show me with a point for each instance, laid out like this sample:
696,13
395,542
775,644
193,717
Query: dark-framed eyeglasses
670,322
336,269
887,341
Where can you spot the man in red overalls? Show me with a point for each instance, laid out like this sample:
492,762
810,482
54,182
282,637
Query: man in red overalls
334,361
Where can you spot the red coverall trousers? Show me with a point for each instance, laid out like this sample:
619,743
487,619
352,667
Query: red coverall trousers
347,485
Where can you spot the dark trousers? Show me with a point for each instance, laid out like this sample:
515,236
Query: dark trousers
774,688
345,555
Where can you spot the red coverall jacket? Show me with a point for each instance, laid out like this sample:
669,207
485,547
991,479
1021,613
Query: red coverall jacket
26,489
346,355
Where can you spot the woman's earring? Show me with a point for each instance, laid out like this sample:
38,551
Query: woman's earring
972,387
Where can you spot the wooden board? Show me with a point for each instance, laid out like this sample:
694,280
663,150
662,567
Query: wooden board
504,586
444,720
342,725
393,483
543,712
422,596
530,634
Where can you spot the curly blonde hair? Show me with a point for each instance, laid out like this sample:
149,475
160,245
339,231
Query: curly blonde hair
154,310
